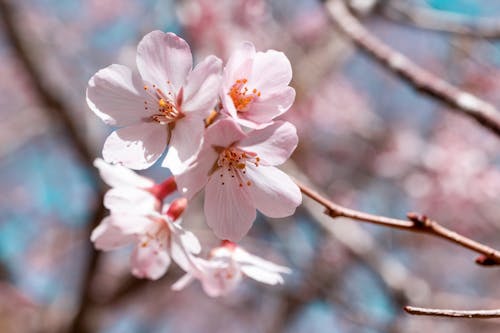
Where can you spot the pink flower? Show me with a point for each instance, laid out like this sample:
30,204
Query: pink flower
156,236
225,268
166,103
136,218
239,174
255,87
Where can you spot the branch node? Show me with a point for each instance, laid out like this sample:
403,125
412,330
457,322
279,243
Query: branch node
420,221
332,213
486,261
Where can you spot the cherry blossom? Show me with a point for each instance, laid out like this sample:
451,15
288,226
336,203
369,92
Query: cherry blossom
156,236
223,271
137,218
164,104
239,172
254,87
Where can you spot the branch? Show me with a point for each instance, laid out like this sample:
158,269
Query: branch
452,313
483,112
415,223
441,21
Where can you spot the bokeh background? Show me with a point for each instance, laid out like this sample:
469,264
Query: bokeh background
367,140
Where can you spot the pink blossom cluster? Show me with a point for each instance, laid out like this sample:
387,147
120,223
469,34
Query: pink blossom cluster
219,126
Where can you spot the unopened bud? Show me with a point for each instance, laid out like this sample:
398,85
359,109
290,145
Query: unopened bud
228,244
176,208
164,189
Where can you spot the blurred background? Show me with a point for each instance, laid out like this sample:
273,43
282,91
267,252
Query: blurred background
367,140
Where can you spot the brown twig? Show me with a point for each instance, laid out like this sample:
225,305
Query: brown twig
424,81
441,21
484,314
415,223
59,112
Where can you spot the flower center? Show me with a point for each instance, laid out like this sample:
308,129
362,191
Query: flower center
241,96
165,107
233,162
159,235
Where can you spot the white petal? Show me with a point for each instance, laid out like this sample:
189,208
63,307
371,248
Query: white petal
186,140
131,200
120,176
228,207
272,191
262,275
273,144
149,261
202,86
163,57
107,237
245,258
223,133
182,247
268,106
183,282
115,94
135,225
136,147
271,71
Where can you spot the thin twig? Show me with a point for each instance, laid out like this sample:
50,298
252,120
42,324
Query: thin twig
484,314
424,81
415,223
441,21
59,112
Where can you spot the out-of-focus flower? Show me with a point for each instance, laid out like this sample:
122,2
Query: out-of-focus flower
223,271
158,238
238,171
218,26
255,87
136,217
166,103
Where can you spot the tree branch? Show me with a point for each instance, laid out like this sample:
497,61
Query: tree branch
484,314
483,112
415,223
442,21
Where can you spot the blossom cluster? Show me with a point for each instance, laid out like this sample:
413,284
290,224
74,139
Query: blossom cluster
222,137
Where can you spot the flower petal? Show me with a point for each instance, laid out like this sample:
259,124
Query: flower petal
131,200
272,191
183,282
271,71
150,262
115,94
273,144
202,86
218,277
163,57
262,275
136,147
245,258
224,133
107,237
228,208
239,63
130,224
119,176
195,177
267,107
183,245
185,142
